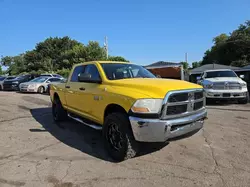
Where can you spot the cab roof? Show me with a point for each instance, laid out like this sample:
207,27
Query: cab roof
103,62
218,70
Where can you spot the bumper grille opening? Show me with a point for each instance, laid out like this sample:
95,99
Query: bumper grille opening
236,95
178,126
177,109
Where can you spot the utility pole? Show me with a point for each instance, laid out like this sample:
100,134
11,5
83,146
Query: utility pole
186,57
106,46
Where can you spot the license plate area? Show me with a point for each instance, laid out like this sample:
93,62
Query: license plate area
226,94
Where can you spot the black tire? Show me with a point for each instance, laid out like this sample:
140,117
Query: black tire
41,90
58,112
48,90
1,88
127,147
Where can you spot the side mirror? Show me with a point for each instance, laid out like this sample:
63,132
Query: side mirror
158,76
242,76
198,78
48,81
85,77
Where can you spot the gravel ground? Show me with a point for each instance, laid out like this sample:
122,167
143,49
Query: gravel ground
36,152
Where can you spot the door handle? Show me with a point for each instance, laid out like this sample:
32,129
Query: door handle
67,86
81,88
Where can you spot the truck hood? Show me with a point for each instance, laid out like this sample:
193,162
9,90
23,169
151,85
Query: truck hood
225,79
152,87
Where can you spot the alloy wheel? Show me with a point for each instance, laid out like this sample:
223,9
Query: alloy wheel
114,136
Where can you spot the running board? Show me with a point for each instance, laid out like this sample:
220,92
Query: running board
97,127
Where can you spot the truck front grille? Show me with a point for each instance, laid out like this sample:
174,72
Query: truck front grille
182,103
226,86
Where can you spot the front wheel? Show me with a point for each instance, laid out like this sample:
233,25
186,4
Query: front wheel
118,137
40,90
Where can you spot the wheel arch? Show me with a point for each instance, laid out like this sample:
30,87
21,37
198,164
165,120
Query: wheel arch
55,96
112,108
42,86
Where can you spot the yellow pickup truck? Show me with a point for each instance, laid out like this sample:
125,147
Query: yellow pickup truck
129,104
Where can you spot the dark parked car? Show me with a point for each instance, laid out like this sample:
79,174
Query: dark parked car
13,84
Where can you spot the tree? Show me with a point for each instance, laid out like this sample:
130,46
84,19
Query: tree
1,71
220,39
196,64
55,55
233,49
117,58
6,61
185,65
94,51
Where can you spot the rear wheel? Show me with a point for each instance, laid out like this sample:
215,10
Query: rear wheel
40,90
118,137
58,112
1,88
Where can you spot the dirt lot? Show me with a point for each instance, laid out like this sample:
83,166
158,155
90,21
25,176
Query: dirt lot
36,152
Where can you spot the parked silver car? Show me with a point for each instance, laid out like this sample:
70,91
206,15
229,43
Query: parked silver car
38,84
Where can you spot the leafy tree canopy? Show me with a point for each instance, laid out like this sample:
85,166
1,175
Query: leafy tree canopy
232,49
55,54
185,65
196,64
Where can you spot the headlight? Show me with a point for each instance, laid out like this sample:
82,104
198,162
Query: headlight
148,106
208,86
15,82
243,85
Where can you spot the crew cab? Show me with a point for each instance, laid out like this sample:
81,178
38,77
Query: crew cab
224,84
129,104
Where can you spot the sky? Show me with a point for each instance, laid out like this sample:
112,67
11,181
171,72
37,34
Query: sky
143,31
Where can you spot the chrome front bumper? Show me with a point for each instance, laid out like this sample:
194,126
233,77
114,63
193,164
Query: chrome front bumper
226,94
156,130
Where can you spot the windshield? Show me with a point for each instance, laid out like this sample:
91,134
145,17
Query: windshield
8,78
213,74
21,77
39,79
125,71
